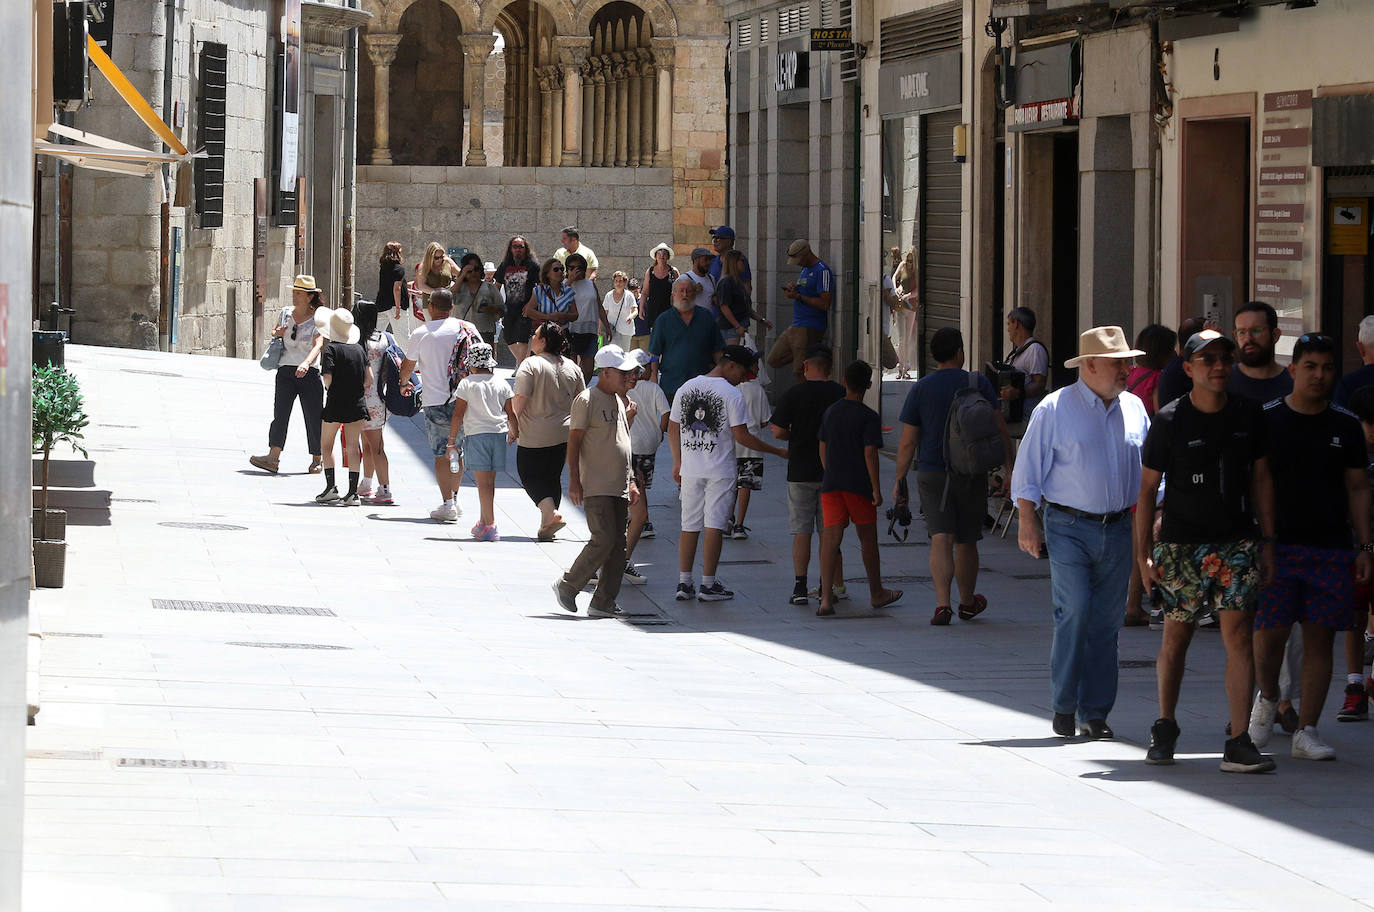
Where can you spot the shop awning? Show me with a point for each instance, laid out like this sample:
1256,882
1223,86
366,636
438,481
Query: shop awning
90,150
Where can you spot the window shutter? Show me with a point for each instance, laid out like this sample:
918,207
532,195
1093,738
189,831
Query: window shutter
210,120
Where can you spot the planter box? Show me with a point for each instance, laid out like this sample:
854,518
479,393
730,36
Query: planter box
57,525
49,563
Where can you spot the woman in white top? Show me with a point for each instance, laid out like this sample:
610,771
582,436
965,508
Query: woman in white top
588,306
297,375
618,311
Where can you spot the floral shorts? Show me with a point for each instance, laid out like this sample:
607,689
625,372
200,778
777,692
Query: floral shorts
1195,578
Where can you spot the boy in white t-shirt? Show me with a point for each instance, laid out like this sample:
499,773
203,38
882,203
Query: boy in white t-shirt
483,417
709,417
748,464
646,433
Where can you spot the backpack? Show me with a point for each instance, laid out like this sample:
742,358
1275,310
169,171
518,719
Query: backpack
389,382
458,367
973,436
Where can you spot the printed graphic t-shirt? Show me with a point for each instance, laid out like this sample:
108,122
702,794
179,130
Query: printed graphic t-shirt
709,408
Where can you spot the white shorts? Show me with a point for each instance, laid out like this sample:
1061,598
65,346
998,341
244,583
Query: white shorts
706,502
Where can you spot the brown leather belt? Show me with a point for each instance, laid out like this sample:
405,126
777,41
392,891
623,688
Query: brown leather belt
1103,518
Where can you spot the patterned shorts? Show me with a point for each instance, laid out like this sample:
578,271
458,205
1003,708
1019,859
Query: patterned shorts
642,465
1312,585
749,473
1196,578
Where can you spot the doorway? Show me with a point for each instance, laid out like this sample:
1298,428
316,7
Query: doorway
1215,219
1347,268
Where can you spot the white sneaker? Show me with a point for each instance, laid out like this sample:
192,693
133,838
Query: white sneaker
445,512
1308,745
1262,720
365,488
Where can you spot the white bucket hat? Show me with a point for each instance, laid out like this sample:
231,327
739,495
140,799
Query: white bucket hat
336,325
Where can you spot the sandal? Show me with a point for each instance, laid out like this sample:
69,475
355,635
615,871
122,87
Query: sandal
892,596
969,612
943,615
546,533
825,612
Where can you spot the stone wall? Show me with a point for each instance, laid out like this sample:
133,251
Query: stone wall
621,212
116,230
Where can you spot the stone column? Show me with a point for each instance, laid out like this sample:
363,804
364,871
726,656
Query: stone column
381,47
646,106
588,113
622,110
599,121
555,137
612,118
635,83
663,146
572,57
476,49
545,156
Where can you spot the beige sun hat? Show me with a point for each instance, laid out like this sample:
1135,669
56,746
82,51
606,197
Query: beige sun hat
336,325
305,283
1103,342
796,249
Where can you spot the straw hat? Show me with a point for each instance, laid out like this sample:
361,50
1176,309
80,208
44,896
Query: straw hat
305,283
1103,342
336,325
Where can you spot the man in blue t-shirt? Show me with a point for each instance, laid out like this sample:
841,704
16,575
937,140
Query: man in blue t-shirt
812,297
954,505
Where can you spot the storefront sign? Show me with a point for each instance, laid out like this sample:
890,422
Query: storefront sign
928,83
790,68
1347,229
832,39
1057,112
1283,252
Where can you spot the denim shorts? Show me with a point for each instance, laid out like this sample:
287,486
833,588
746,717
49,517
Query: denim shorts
438,418
485,452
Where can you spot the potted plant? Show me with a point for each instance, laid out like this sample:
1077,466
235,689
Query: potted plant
58,417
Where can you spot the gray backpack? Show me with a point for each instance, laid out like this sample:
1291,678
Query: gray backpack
973,437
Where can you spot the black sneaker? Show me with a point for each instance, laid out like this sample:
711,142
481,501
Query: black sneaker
1356,708
798,594
328,495
1163,737
647,531
740,532
685,591
350,500
633,576
714,593
1288,719
1241,756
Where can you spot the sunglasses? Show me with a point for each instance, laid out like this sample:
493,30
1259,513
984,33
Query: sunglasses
293,332
555,269
517,246
1316,339
1213,358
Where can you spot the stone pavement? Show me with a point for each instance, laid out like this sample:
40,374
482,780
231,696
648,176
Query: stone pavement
444,737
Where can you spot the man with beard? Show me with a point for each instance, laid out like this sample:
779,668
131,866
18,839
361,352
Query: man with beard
1257,375
686,339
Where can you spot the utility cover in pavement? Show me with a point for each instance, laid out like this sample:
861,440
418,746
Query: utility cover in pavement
160,763
238,607
204,526
289,645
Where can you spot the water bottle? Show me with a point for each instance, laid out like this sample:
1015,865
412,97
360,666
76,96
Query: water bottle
455,462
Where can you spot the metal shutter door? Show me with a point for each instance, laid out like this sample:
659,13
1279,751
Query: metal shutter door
941,201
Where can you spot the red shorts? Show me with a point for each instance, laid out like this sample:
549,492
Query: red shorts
838,508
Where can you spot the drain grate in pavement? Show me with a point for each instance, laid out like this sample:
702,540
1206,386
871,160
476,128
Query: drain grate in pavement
647,622
289,645
740,563
131,500
1136,663
238,607
91,636
205,526
161,763
62,755
130,370
1029,576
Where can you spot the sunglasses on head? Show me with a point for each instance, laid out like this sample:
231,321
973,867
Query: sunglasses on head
1316,339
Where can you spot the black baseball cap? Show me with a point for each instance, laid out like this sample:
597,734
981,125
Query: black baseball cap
742,355
1200,340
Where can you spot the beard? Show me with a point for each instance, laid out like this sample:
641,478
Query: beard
1256,356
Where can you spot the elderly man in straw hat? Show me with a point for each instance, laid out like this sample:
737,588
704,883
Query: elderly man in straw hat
1081,458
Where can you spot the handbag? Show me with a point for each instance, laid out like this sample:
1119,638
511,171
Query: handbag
271,358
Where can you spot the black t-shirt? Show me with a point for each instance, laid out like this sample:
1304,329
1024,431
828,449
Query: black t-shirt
731,295
1362,376
1308,456
387,277
518,279
347,366
800,413
1208,461
1261,391
1173,382
847,428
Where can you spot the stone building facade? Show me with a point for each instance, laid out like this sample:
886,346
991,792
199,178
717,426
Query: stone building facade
610,116
221,275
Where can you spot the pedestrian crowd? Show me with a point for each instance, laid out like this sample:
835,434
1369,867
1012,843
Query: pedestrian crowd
1189,481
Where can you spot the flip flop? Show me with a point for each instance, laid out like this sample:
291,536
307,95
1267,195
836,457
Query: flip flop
943,615
546,533
969,612
895,595
825,612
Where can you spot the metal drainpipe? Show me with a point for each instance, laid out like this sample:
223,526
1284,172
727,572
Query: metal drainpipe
164,284
350,161
856,224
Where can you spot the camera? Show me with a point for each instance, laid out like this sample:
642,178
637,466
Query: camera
899,514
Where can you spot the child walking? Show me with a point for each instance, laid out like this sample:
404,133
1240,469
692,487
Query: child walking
748,463
484,418
851,434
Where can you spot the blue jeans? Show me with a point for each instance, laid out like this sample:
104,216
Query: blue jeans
1090,570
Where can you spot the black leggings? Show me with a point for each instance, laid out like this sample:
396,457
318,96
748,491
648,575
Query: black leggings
311,393
541,471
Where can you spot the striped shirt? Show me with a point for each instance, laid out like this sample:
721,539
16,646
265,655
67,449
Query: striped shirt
546,303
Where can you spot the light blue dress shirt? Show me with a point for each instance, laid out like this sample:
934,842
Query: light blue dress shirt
1082,452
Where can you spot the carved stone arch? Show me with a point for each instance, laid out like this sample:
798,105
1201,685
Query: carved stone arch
387,13
659,13
560,10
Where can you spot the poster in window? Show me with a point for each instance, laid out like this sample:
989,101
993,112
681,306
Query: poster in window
291,85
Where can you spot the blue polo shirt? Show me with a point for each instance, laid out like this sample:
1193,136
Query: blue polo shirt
812,281
686,349
745,274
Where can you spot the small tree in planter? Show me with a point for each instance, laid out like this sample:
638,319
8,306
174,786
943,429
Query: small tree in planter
58,417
